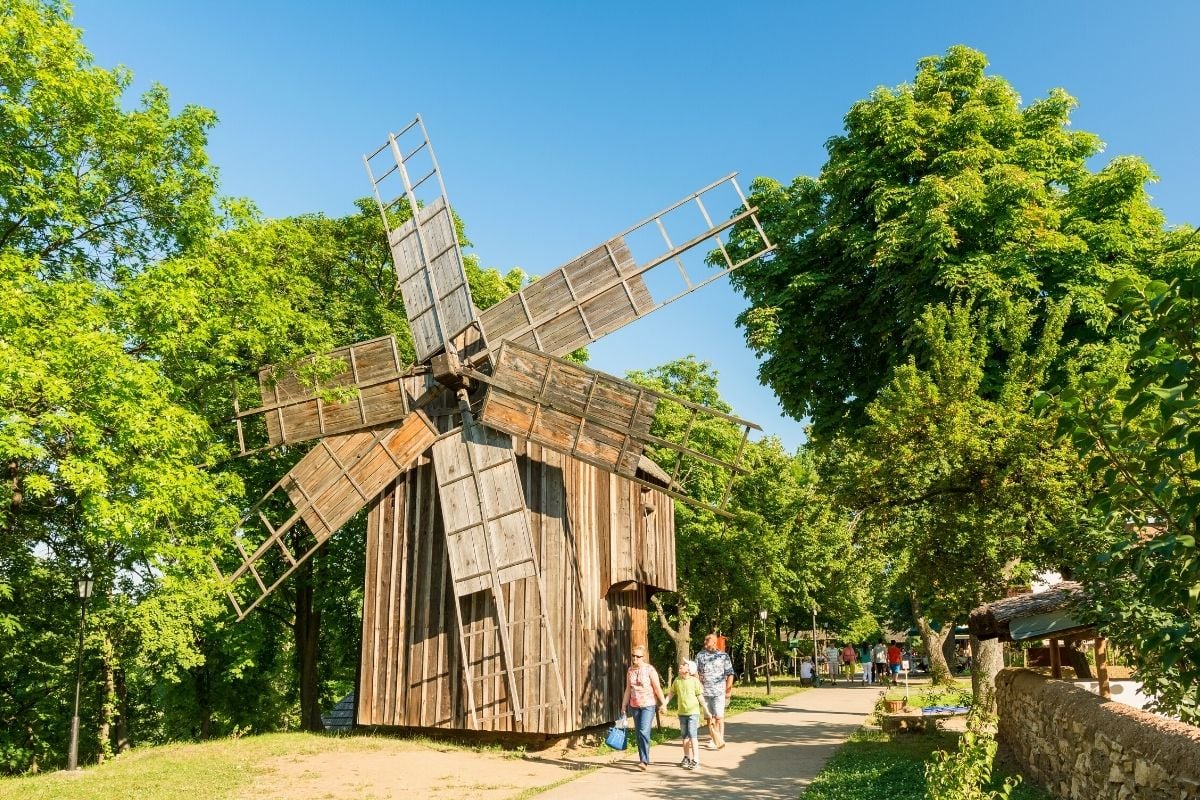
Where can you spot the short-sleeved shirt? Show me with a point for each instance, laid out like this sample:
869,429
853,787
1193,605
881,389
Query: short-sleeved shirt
806,669
864,655
688,693
880,654
831,655
712,669
641,681
847,655
893,655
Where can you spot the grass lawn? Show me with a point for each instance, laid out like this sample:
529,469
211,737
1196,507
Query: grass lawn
197,771
871,765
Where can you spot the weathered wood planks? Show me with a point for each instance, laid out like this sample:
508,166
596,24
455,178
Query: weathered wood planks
432,279
323,491
483,510
570,408
371,371
574,305
405,644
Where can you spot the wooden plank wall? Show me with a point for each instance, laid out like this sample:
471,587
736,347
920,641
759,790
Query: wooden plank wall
411,669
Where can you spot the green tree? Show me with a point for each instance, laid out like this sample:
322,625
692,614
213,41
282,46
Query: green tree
1138,423
960,488
101,467
939,189
782,534
86,187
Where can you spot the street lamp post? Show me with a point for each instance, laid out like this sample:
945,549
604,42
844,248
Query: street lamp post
83,588
762,614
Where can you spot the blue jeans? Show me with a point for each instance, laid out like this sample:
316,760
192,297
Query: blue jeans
643,718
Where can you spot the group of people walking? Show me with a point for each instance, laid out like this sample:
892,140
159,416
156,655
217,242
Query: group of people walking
702,688
875,664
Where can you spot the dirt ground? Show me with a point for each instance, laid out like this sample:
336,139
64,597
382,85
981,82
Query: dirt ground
404,770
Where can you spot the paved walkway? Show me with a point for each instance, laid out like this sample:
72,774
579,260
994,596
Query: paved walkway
772,752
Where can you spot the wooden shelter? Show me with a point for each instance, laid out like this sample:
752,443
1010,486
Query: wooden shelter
1050,615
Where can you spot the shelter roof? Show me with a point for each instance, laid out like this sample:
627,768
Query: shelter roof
1032,615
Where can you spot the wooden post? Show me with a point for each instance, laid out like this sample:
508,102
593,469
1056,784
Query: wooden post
1102,667
1055,660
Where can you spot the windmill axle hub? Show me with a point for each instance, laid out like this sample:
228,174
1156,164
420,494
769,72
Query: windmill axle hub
447,370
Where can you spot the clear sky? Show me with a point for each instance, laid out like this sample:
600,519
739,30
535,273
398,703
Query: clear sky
559,124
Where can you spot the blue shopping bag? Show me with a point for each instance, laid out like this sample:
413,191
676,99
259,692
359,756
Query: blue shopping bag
618,735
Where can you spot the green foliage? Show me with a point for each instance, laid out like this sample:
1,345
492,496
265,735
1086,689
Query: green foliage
872,764
785,540
954,477
939,189
128,308
86,187
966,773
1137,422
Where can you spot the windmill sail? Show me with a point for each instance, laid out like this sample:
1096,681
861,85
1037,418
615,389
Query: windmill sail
429,267
605,421
490,545
317,497
607,288
369,373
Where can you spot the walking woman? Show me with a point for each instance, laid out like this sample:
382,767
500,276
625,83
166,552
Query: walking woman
643,694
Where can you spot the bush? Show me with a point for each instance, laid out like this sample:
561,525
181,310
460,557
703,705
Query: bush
966,773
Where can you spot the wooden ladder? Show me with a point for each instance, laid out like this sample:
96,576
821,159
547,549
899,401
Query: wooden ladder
489,544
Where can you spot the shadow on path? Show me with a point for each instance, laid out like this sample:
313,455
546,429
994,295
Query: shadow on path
772,753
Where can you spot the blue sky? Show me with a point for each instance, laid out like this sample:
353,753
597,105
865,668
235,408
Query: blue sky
560,124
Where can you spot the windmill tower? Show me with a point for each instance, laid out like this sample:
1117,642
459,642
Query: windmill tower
493,469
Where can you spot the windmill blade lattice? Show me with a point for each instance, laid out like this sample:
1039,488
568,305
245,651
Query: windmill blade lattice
600,419
292,408
319,495
607,287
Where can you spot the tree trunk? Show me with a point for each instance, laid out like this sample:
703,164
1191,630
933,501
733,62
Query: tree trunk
987,659
107,704
681,635
203,702
307,628
122,726
14,505
1076,659
933,641
950,651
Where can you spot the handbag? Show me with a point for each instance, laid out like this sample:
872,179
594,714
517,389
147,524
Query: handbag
618,735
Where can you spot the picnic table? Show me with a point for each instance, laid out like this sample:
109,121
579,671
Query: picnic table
920,719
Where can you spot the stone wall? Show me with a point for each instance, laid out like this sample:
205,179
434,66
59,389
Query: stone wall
1078,746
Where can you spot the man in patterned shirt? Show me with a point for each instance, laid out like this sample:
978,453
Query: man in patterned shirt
715,671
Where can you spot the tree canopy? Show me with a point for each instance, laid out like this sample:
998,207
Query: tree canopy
943,189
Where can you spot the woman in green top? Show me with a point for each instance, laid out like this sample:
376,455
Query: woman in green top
688,691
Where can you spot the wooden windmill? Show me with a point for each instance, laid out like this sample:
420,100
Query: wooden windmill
489,429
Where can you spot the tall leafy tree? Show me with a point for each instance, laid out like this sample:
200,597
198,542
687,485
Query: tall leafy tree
943,188
962,490
947,192
102,469
1137,421
780,543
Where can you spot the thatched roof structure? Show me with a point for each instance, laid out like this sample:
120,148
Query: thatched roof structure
994,620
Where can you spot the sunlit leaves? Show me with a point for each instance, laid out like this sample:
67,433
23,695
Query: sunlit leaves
1140,424
938,190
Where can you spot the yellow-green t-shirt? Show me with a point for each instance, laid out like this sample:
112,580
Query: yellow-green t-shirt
688,692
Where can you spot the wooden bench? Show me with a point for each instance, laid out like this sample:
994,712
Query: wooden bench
914,721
